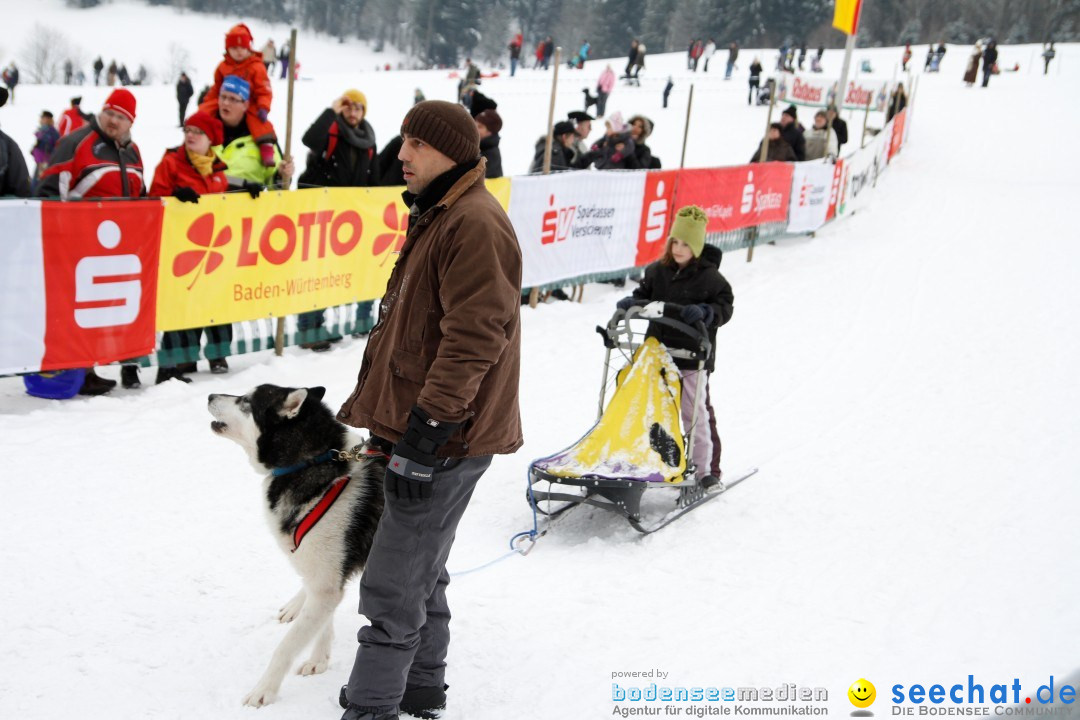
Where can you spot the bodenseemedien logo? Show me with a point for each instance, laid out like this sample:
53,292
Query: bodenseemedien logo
862,694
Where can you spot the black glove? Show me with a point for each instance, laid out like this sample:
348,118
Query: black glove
628,302
411,469
253,188
186,194
693,314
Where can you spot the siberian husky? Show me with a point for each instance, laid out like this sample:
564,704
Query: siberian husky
323,503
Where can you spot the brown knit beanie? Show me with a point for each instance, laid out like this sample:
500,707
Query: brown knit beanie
445,126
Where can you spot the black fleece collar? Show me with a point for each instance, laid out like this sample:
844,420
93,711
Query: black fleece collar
438,187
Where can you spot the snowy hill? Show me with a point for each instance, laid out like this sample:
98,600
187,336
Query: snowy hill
906,382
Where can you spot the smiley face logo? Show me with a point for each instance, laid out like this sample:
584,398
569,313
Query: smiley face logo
862,693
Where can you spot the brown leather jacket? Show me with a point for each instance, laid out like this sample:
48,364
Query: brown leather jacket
449,332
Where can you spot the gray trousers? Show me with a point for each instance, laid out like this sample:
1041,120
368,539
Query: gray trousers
403,590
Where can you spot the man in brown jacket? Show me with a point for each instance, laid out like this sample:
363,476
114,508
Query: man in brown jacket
438,386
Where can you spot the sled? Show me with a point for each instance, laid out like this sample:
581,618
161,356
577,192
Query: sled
637,443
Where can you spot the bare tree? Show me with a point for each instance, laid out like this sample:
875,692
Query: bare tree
178,61
43,54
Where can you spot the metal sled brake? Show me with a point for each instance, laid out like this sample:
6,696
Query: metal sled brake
637,443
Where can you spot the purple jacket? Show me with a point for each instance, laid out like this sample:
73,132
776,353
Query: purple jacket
47,137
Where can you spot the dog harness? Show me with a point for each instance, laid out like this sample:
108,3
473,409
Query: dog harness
326,502
317,512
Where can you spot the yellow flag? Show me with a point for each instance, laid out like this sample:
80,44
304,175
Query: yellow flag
846,16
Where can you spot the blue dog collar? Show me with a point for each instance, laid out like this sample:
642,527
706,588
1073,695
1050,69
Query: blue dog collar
325,457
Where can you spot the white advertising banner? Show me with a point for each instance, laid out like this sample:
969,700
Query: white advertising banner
811,185
818,91
859,173
574,224
22,287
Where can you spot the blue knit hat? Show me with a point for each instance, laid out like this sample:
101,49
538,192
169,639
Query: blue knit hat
236,86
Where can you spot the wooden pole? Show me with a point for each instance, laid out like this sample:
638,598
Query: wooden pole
761,158
279,335
866,118
551,112
534,293
686,127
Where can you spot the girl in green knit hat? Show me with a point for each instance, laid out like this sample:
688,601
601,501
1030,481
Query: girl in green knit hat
688,282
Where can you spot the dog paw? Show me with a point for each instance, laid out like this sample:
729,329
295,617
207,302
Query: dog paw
291,609
260,696
313,666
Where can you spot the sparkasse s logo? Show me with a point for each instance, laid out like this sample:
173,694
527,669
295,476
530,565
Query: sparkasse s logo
556,223
108,288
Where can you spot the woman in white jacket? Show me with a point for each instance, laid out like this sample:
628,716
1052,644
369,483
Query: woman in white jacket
821,139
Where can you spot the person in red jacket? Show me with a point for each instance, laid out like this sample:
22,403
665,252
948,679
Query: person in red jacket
72,119
243,62
186,173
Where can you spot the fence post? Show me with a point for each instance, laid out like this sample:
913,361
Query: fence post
686,127
761,158
534,293
279,334
866,118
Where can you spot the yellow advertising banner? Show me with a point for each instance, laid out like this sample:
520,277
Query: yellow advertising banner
230,257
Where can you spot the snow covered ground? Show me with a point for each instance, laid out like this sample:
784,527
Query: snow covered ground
906,382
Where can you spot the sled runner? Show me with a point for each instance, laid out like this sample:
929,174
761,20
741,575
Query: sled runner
638,442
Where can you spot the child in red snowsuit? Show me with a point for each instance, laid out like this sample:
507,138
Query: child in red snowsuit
241,61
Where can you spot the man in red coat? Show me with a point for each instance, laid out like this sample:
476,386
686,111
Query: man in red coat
72,119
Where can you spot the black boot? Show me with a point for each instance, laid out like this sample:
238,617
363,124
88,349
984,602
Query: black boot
129,377
219,366
424,702
166,374
94,384
355,712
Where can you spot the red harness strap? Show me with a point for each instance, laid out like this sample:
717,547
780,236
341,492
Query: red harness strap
317,512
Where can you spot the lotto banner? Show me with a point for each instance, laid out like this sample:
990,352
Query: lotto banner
811,187
737,197
77,282
571,225
230,258
816,91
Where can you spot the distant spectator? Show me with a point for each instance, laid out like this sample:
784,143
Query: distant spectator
69,72
989,61
802,55
476,102
582,129
897,102
710,50
755,81
269,55
929,57
549,50
839,126
792,131
777,150
732,56
123,76
110,74
342,145
641,128
906,57
11,80
418,97
188,172
472,72
639,61
99,160
488,123
604,86
667,89
631,57
73,118
578,61
562,149
615,150
820,140
515,53
46,137
390,169
1048,55
14,177
184,91
781,62
283,60
98,67
971,73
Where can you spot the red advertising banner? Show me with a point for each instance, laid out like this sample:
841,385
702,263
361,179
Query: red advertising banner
897,133
737,197
656,215
834,191
101,264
